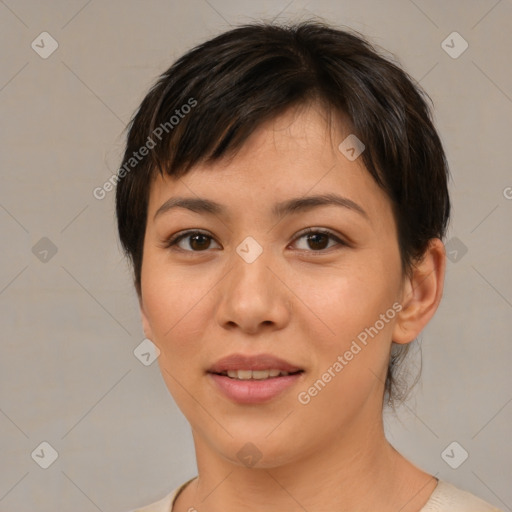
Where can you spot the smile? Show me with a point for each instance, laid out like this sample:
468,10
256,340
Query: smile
255,374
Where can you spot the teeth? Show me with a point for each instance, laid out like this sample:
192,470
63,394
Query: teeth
260,374
254,374
244,374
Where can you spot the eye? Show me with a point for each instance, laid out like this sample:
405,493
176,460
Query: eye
318,238
197,240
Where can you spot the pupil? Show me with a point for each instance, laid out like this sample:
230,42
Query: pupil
195,238
314,238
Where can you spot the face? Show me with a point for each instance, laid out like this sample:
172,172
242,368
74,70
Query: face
311,290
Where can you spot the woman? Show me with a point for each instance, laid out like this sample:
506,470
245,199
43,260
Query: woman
283,200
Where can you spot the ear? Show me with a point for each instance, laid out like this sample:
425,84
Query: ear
421,293
148,333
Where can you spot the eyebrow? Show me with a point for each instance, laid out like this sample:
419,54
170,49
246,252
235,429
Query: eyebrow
290,206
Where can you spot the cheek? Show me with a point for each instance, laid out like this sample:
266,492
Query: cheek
352,361
351,301
174,303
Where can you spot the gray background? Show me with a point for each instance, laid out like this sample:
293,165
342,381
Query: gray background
70,323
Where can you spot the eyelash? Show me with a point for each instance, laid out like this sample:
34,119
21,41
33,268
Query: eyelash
175,239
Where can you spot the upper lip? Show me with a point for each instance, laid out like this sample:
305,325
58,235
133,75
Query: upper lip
255,362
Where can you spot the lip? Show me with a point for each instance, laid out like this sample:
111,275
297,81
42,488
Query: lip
255,362
253,391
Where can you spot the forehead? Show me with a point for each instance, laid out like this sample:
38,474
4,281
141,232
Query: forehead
295,154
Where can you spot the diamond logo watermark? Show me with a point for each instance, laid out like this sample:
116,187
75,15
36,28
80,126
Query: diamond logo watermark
455,249
45,455
351,147
249,250
44,250
454,45
146,352
454,455
249,455
44,45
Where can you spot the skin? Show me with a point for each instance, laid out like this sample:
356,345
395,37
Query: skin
299,301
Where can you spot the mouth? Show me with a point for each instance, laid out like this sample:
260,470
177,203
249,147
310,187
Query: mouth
258,366
256,374
253,379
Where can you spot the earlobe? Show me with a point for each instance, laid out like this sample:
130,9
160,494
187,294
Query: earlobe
145,322
422,293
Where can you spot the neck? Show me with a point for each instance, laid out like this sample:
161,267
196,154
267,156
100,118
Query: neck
356,470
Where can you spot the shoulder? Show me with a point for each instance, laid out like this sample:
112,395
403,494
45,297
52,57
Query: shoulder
448,498
165,504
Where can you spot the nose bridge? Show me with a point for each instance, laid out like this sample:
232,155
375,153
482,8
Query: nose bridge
251,273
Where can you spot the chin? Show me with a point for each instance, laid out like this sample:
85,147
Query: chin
258,451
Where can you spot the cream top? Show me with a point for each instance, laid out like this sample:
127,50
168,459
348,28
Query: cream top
445,498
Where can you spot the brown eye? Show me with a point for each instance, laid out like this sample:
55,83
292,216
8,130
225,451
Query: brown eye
318,239
197,241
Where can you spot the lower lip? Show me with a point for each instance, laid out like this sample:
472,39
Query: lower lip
254,391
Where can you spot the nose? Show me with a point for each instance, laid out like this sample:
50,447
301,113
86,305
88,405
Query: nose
253,296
